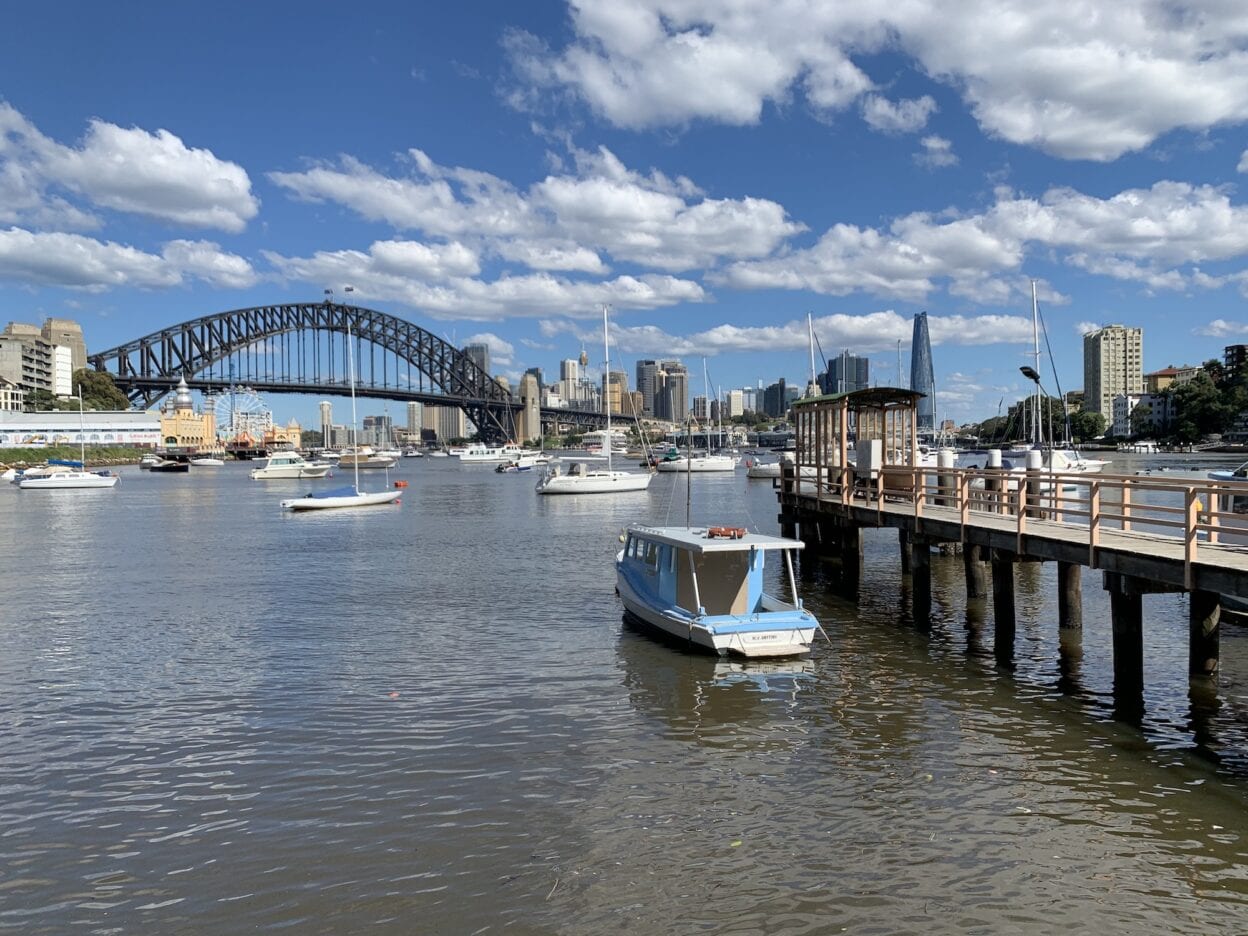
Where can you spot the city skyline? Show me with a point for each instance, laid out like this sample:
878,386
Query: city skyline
496,175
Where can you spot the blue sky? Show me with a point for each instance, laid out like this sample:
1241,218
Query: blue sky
713,171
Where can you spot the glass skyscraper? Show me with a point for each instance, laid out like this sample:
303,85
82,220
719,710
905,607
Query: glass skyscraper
922,377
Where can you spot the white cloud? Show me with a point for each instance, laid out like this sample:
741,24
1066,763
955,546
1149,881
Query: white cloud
1243,162
128,170
565,222
937,153
905,116
1081,81
1221,328
77,262
1083,328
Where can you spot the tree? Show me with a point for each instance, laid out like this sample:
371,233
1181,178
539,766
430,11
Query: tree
1085,425
311,438
1200,409
1142,420
98,391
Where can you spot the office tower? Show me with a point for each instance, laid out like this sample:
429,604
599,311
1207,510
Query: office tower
648,384
614,388
413,419
1113,365
537,372
734,403
701,412
845,373
480,355
673,392
776,399
327,421
922,375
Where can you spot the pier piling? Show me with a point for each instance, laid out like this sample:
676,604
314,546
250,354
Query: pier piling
1003,604
1204,614
1126,604
1069,595
973,564
921,581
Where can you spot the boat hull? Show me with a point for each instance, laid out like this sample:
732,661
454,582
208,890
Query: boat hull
594,483
712,463
288,472
767,634
68,480
337,503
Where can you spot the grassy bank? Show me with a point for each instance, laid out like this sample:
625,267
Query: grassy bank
96,455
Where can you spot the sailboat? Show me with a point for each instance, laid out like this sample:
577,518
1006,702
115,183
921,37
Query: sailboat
707,462
580,478
77,476
350,496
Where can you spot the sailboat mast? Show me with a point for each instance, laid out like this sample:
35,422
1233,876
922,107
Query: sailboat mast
355,436
810,335
1037,434
82,431
606,382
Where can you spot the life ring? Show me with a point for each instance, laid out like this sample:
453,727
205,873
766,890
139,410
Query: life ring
725,533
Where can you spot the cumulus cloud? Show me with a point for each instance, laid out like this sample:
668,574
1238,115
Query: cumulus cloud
1084,328
1221,328
128,170
1243,162
865,333
566,222
502,352
937,153
900,117
1104,81
78,262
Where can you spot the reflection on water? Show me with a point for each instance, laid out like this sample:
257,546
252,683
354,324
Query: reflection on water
431,718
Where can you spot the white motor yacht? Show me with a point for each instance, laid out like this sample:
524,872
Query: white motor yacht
289,465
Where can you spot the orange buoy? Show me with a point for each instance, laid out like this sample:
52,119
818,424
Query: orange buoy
400,484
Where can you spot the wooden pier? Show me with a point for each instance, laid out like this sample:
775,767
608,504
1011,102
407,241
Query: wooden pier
1144,534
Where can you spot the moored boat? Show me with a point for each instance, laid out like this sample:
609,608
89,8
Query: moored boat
289,465
207,462
364,457
705,587
169,465
1232,474
348,496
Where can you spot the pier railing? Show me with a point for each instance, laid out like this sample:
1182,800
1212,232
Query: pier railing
1202,514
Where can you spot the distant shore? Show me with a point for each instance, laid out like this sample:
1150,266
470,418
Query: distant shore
96,455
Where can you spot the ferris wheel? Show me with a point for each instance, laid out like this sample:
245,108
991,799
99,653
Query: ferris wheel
240,411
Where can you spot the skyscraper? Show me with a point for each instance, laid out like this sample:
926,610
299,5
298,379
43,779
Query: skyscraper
845,373
480,354
1113,364
672,395
327,422
648,384
922,376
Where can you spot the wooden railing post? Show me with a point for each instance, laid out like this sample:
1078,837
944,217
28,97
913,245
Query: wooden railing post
1094,522
1126,506
1191,523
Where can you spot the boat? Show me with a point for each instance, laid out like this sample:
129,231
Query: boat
490,454
526,462
395,454
207,462
439,454
1233,474
581,478
75,474
705,587
412,453
8,474
289,465
350,496
365,457
170,465
762,469
696,463
148,460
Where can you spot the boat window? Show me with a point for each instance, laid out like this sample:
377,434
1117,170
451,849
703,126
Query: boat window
652,555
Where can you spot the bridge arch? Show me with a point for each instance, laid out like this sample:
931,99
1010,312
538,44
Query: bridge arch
147,368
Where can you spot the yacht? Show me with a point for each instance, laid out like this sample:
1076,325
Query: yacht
364,457
1232,474
696,463
490,454
289,465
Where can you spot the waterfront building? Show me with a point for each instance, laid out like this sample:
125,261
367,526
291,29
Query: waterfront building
445,422
846,372
1113,359
1170,376
734,403
12,397
338,436
183,428
377,431
130,428
1121,408
289,436
923,375
479,355
35,358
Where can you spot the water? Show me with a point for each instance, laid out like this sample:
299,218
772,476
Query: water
431,718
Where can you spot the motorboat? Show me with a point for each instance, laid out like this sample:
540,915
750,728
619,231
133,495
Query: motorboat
347,496
289,465
525,462
705,587
581,478
364,457
490,454
74,478
1233,474
439,454
412,453
148,460
170,465
1062,460
396,454
207,462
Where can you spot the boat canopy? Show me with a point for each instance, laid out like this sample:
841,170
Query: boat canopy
67,462
348,491
699,540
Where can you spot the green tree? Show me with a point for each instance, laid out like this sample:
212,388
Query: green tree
311,438
1085,426
98,391
1200,409
1142,420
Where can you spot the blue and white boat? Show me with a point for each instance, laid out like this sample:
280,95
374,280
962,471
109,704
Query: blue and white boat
705,586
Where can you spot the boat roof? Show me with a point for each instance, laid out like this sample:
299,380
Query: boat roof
697,539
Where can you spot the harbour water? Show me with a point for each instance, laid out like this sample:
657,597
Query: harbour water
431,719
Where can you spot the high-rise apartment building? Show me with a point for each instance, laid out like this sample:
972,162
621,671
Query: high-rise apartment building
647,384
701,409
672,394
923,375
846,372
614,389
327,422
734,403
34,358
776,399
446,422
1113,365
1235,360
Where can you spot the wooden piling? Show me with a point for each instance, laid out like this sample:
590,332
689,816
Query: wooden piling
1069,595
1126,604
1003,604
1204,614
973,565
903,540
921,581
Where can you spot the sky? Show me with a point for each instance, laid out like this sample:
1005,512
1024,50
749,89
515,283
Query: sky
712,171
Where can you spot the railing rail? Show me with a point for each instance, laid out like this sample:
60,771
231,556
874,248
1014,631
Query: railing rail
1199,513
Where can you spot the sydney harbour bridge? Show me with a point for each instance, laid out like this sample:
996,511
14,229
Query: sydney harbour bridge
305,347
